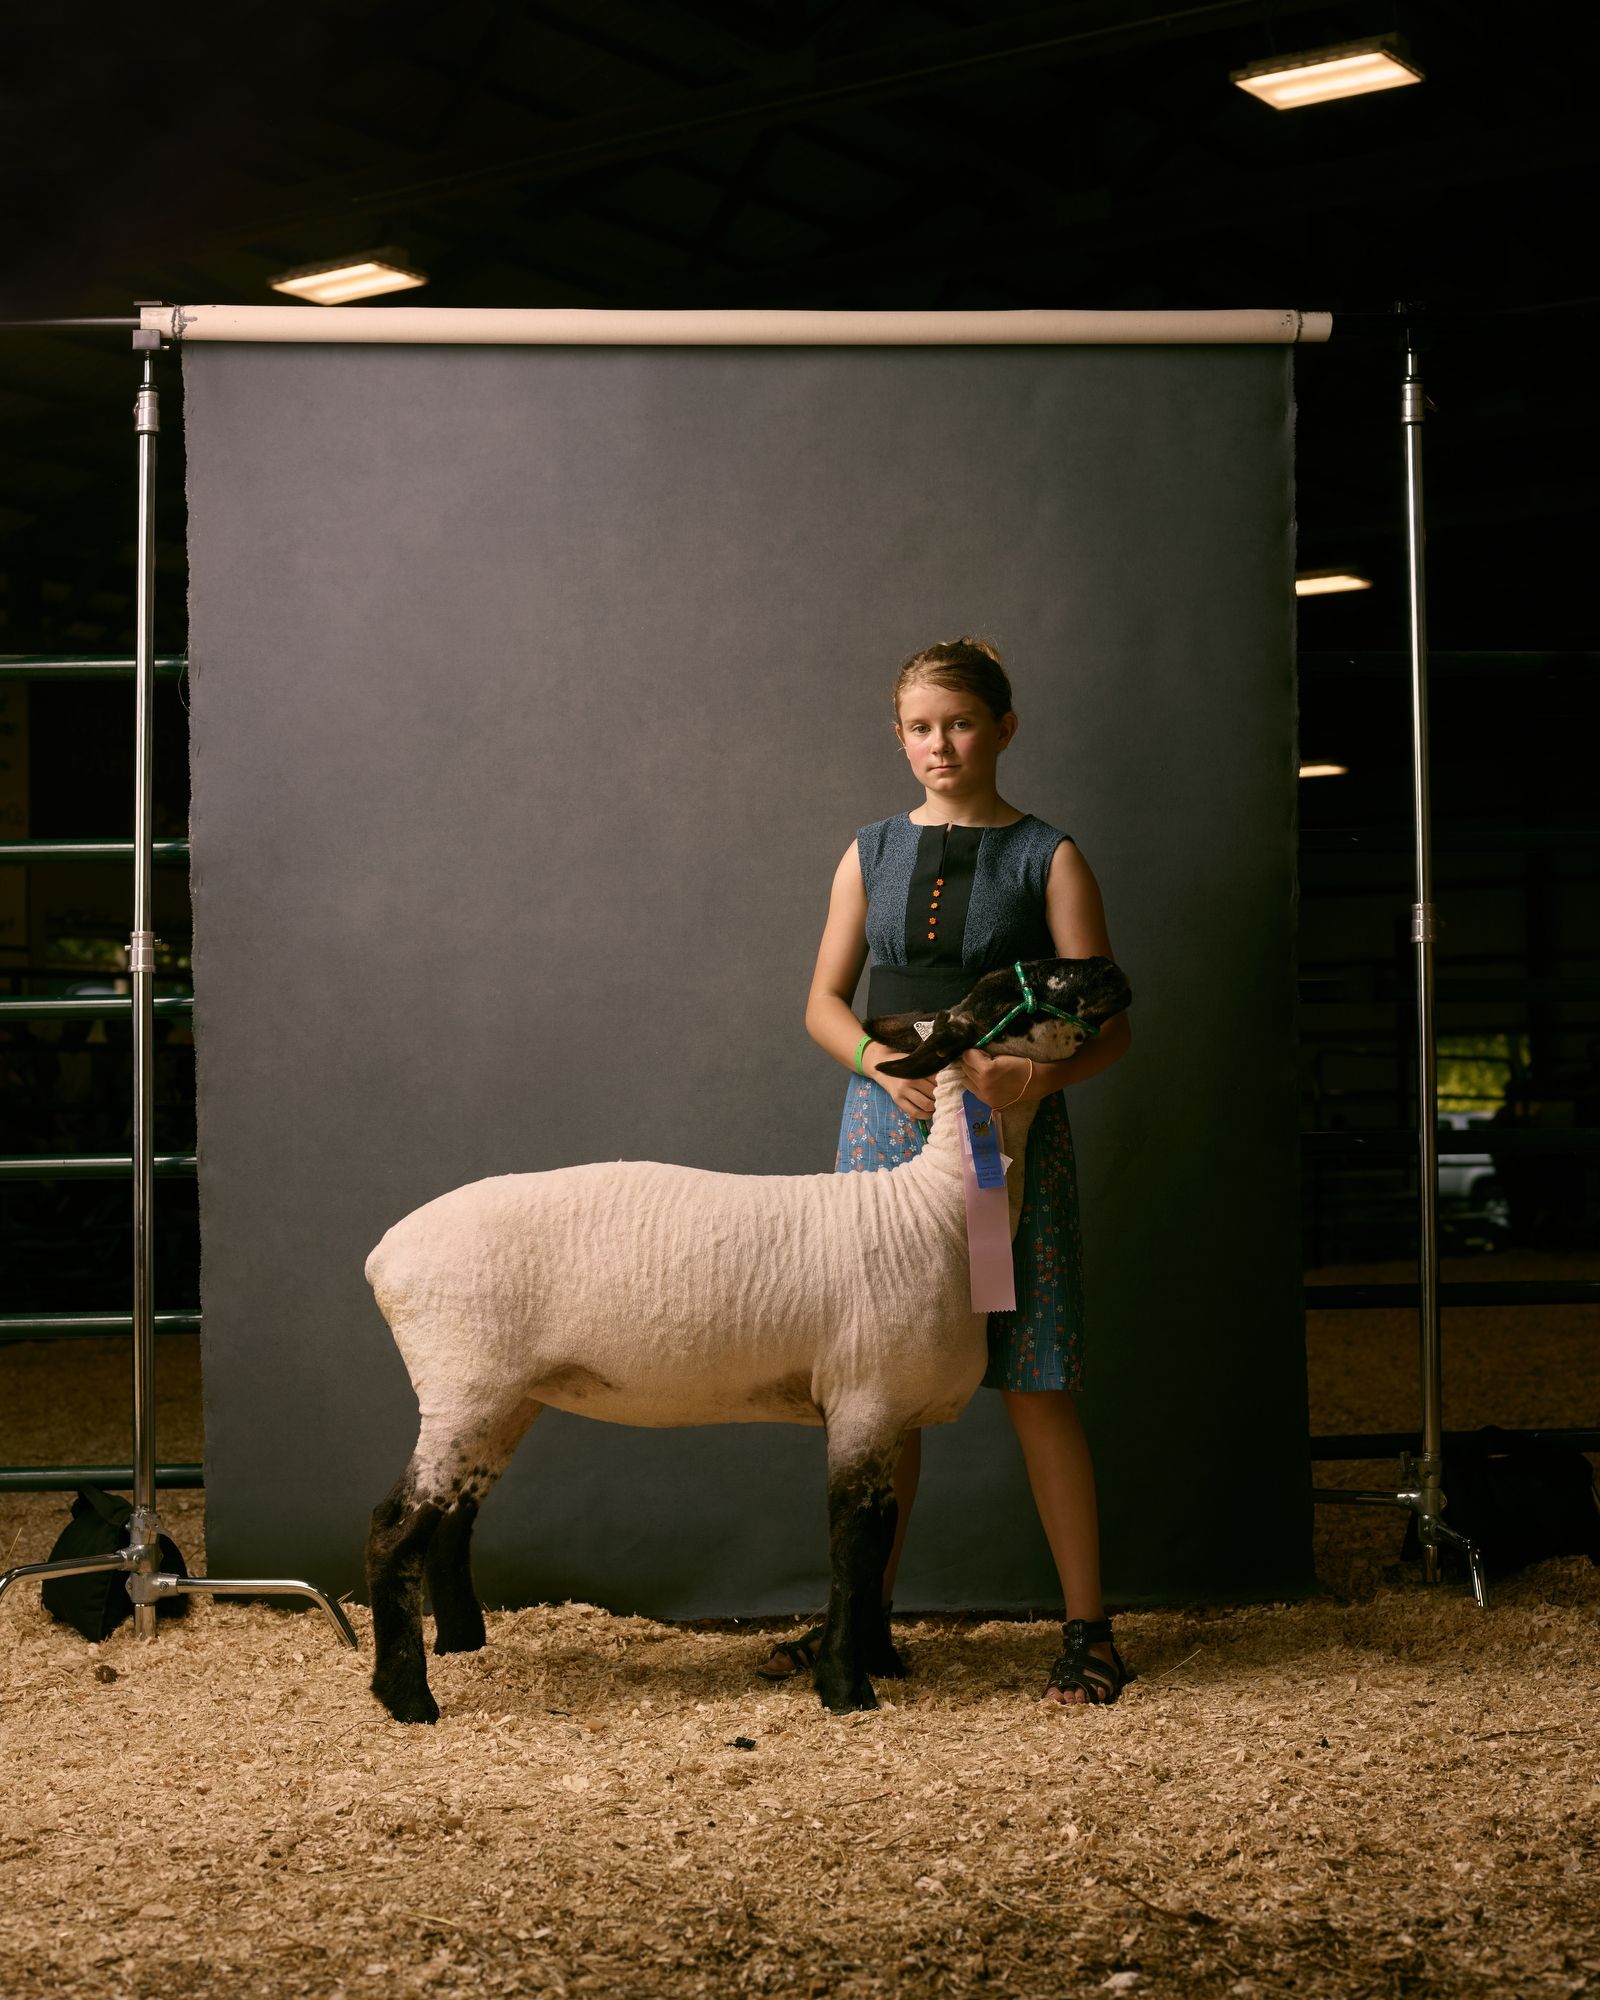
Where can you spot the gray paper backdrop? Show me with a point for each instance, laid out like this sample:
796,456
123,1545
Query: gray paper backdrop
536,694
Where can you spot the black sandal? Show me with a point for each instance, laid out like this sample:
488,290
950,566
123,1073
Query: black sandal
1078,1668
802,1652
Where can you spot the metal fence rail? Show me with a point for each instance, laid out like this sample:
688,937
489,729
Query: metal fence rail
89,850
1390,1444
44,1007
88,1326
64,1478
18,1327
1458,1292
85,667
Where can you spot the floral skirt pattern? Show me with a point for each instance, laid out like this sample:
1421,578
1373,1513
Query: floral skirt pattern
1040,1345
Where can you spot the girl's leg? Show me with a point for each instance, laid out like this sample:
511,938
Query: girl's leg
1061,1474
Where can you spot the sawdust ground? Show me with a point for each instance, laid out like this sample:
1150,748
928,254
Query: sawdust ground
1381,1790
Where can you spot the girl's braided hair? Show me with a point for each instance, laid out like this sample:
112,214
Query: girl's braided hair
968,665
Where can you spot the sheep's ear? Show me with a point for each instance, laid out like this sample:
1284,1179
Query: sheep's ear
951,1034
898,1030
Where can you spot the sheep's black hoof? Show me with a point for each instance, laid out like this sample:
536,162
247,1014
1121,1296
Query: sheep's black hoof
843,1696
412,1703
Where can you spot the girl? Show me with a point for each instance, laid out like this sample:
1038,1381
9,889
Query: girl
961,885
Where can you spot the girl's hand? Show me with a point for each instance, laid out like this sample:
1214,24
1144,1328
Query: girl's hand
996,1079
913,1095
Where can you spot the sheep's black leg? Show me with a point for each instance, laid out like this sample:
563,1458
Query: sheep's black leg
468,1465
426,1525
457,1614
861,1518
883,1655
397,1544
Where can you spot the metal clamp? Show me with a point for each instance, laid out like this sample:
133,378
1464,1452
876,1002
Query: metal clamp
146,339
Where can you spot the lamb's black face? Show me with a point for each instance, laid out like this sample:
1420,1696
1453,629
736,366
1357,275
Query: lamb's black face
1092,989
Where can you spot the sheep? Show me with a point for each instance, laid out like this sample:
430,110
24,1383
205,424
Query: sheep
647,1294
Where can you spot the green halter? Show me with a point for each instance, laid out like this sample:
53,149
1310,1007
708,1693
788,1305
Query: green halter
1028,1005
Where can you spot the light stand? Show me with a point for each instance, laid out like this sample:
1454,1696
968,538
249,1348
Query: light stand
140,1560
1421,1473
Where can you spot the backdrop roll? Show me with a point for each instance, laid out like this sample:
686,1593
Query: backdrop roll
536,694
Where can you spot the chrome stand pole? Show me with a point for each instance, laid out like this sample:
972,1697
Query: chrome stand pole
144,1528
140,1559
1429,1464
1422,1491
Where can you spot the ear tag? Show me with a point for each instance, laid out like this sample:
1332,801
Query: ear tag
923,1028
983,1131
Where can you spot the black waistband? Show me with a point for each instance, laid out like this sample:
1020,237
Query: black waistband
909,989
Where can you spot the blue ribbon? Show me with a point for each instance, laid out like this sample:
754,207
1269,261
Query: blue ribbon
983,1125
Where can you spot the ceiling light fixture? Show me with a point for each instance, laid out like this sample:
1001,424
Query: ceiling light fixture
338,280
1324,770
1325,582
1349,69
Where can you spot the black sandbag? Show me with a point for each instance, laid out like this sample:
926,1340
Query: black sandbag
1522,1499
95,1604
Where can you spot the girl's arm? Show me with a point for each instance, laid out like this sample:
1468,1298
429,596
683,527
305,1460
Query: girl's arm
830,1022
1077,919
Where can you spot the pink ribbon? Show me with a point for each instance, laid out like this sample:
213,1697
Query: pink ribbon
993,1279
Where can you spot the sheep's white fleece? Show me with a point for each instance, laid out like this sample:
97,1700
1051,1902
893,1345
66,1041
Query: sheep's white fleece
659,1295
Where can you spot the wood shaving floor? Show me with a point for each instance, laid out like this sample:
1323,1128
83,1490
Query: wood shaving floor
1381,1790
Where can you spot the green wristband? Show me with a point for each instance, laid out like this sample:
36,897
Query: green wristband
859,1047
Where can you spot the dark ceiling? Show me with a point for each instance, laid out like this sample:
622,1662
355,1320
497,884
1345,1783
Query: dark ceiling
600,153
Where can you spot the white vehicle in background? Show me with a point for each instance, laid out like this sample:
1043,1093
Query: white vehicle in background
1470,1178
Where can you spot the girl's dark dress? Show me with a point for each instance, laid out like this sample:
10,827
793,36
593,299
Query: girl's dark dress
945,904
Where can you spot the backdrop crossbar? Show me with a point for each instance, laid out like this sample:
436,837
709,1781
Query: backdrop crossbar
582,326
